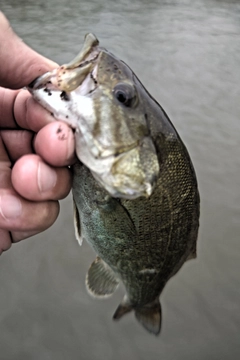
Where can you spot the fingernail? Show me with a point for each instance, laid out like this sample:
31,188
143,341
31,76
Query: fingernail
10,206
47,178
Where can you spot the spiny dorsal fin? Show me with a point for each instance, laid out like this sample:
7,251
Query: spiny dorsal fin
100,279
150,316
76,221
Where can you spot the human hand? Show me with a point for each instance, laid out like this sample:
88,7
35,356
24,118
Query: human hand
31,181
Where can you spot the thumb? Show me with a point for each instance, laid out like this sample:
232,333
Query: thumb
20,65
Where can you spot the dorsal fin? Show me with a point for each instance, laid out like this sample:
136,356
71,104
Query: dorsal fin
100,279
150,316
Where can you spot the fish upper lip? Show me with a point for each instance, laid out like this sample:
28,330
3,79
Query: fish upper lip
85,62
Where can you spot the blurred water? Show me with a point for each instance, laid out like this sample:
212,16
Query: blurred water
187,54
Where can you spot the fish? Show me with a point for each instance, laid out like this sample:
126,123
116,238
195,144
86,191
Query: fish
135,191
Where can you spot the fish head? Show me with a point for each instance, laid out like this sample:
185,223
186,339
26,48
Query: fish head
99,96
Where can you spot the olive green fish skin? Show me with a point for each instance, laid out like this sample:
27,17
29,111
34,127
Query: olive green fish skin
145,240
135,190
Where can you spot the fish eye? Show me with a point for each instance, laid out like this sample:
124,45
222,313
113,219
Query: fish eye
125,94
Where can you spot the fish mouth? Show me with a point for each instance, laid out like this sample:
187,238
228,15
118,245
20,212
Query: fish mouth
75,108
68,93
69,77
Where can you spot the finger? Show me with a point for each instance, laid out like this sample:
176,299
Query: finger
17,143
21,64
18,214
5,240
19,109
28,114
7,100
17,236
5,164
35,180
56,144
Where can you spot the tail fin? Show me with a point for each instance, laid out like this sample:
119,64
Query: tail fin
149,315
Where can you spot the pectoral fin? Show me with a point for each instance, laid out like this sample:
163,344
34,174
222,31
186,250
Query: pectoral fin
100,279
76,222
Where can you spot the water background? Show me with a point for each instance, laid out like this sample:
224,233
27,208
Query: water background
187,54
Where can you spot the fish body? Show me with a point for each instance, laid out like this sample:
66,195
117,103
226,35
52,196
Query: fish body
135,191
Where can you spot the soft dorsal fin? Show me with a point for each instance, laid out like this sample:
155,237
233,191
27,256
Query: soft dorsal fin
76,222
150,316
101,280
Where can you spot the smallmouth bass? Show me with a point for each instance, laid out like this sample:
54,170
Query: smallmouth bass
135,193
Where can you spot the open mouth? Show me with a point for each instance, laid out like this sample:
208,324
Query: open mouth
65,93
77,93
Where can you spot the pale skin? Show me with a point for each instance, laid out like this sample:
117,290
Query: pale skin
33,160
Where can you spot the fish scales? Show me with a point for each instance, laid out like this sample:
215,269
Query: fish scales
135,191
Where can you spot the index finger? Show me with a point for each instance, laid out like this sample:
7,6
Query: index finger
28,114
19,109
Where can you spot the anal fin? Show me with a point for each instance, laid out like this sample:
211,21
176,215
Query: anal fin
124,308
101,280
